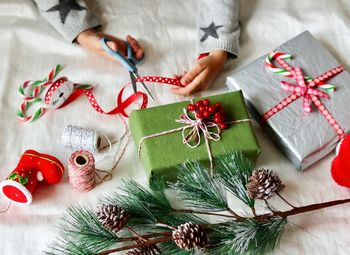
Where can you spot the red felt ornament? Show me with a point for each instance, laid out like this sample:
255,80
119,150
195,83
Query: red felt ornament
31,168
340,167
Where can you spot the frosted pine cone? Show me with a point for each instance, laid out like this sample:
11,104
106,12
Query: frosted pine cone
112,217
190,235
263,184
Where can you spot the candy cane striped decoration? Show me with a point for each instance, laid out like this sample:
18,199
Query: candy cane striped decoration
38,86
306,87
285,71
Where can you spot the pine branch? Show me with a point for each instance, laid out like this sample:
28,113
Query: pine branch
205,213
133,246
247,237
83,234
301,209
67,247
234,170
198,189
81,228
285,200
140,201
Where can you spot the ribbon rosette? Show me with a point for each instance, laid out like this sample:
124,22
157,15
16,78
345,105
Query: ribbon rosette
307,88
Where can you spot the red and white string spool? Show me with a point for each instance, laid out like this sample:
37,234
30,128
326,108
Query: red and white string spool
81,171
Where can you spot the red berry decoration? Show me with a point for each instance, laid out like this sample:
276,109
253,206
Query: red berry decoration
218,120
191,107
199,103
201,108
199,115
212,109
217,106
217,115
206,102
206,114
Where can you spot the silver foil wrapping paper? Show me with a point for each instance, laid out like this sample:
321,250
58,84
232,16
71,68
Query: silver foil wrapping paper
303,137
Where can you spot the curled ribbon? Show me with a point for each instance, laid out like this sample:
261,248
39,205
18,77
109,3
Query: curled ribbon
309,89
31,92
191,133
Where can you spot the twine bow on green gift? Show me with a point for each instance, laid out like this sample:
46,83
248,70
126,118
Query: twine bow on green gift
192,131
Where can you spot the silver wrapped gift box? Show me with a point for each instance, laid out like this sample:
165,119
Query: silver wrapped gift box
303,137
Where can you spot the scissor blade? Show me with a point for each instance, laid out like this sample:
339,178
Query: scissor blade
144,86
133,81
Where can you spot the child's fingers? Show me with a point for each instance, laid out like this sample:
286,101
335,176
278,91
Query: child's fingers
190,89
113,45
199,83
184,91
188,77
135,46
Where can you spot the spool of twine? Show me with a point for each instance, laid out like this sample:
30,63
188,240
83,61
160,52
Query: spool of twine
81,171
78,138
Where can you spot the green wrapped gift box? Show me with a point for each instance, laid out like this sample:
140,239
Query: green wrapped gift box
161,155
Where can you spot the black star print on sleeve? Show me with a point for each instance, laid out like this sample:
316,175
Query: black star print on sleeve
210,31
64,7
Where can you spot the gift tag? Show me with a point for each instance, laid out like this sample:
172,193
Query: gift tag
60,94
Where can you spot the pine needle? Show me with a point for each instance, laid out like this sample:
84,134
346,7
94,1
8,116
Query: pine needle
198,189
82,229
234,169
247,237
140,201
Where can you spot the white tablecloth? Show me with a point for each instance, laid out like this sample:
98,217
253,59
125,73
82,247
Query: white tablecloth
167,29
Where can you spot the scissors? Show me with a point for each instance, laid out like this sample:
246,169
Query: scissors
129,62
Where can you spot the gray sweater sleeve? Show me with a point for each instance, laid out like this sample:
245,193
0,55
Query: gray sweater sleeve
68,17
218,26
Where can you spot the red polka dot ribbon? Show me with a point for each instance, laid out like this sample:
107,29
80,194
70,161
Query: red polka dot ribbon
63,93
306,88
123,104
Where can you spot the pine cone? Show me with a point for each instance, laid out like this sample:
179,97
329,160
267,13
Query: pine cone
146,250
190,235
263,184
112,217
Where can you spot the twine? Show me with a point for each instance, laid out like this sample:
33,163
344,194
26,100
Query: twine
81,170
78,138
81,165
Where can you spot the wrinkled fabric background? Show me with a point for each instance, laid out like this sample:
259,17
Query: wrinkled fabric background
167,29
